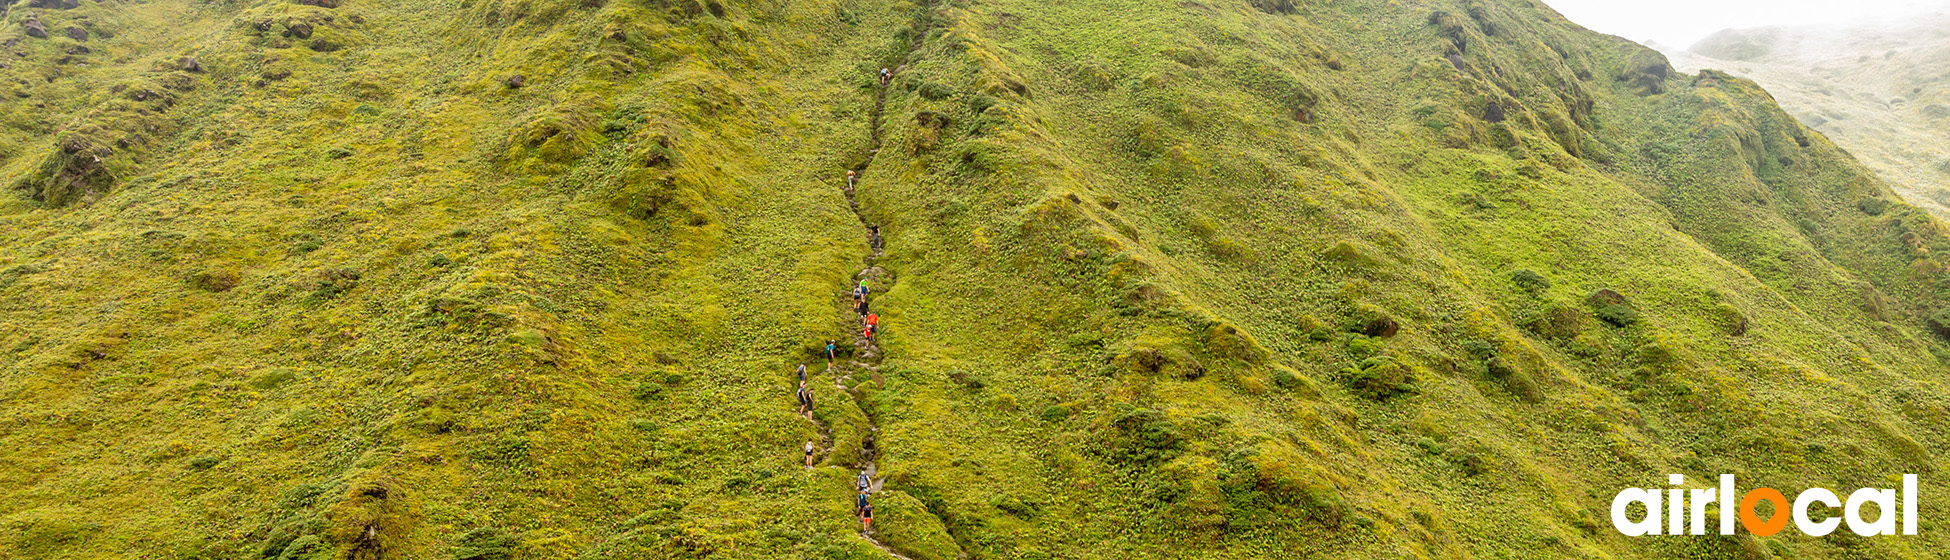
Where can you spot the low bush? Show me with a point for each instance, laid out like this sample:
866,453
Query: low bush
1144,437
1529,280
1380,378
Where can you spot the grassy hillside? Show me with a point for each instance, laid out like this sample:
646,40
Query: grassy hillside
1197,279
1874,89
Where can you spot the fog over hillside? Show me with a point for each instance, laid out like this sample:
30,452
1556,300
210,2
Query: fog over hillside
1877,90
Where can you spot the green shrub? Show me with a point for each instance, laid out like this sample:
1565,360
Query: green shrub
1055,413
307,547
648,391
1617,315
204,463
1730,319
1348,254
978,104
214,280
305,242
935,91
1362,347
1517,381
1529,280
1014,506
1873,206
1380,378
1939,323
1559,322
1145,437
333,282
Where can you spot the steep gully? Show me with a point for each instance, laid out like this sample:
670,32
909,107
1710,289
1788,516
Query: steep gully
868,355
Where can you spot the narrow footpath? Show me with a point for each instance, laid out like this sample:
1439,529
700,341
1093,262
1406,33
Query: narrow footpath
851,373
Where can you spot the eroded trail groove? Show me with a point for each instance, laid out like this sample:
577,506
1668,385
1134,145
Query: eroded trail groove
864,366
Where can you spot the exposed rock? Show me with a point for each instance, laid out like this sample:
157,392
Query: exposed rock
1493,112
77,33
320,3
54,4
191,65
321,44
10,42
515,81
1381,327
78,49
34,27
297,30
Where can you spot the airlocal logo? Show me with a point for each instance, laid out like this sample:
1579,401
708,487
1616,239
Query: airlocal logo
1677,500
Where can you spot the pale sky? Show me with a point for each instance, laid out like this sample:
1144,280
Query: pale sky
1677,24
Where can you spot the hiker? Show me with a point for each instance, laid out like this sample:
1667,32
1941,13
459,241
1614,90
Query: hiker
885,75
873,319
868,332
806,401
861,307
873,233
829,354
809,453
860,503
866,517
852,178
865,483
802,374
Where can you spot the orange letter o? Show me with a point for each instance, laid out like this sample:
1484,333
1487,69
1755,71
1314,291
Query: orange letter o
1774,524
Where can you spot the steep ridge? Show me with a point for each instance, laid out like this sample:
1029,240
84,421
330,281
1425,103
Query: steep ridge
1200,279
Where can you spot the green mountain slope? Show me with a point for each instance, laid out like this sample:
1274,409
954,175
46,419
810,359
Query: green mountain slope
1199,279
1873,88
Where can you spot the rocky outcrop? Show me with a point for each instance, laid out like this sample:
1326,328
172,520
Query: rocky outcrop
34,27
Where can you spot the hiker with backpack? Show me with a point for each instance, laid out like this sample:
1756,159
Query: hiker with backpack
852,179
802,374
873,234
809,453
885,75
829,354
863,483
805,400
